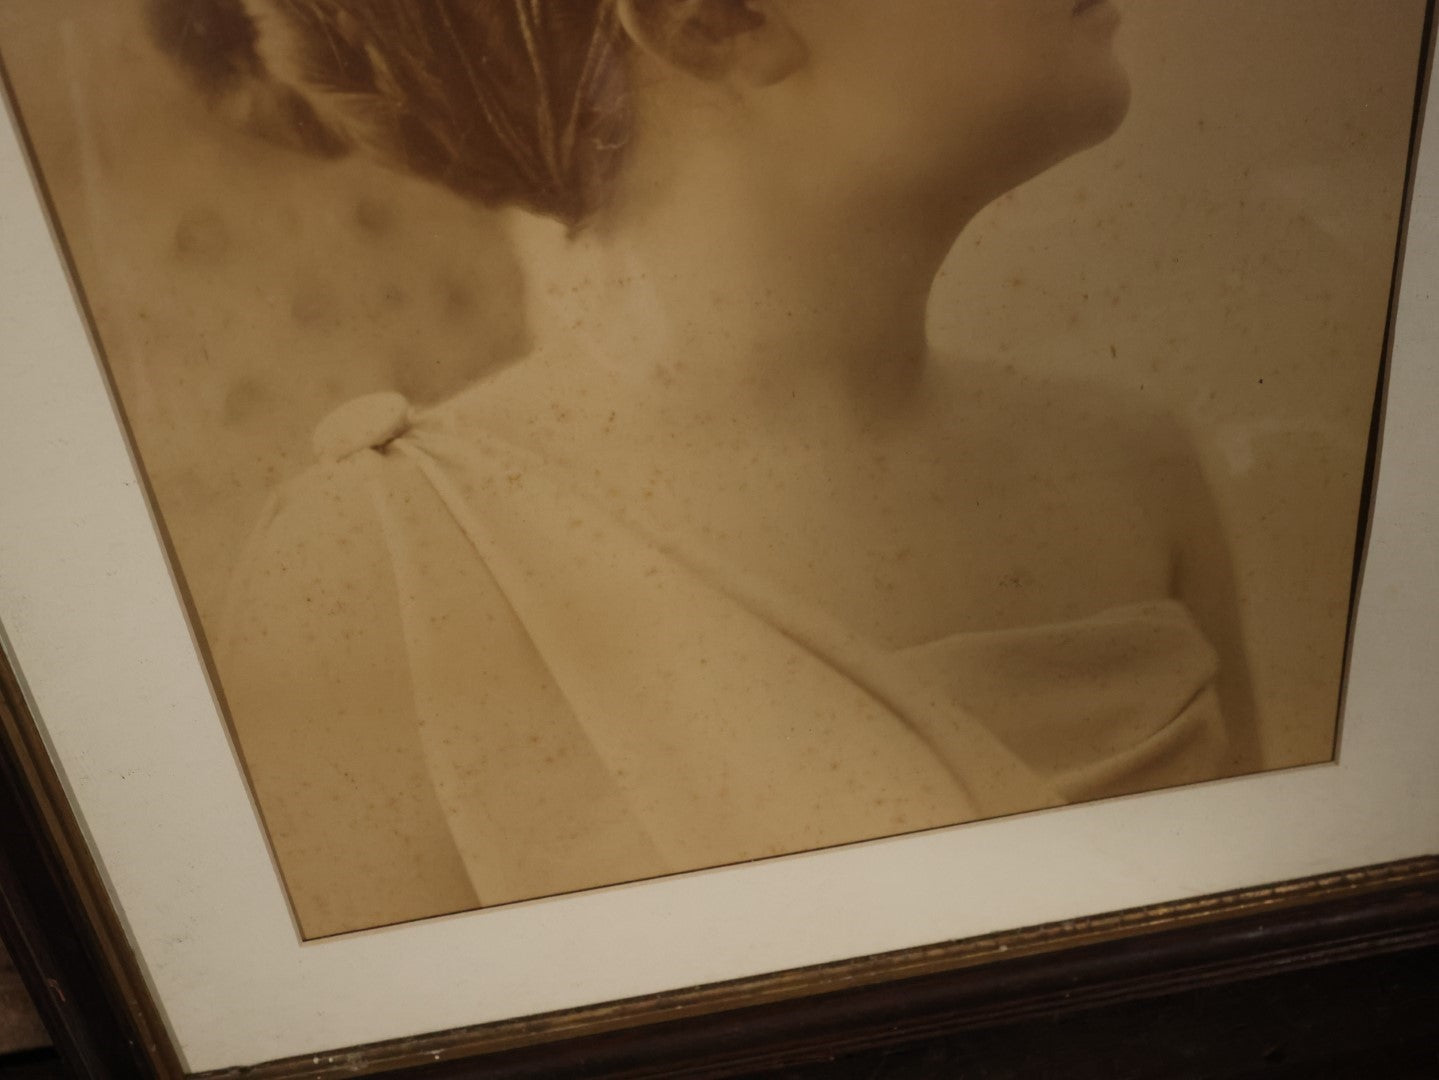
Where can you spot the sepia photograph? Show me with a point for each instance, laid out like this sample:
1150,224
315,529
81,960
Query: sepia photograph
600,440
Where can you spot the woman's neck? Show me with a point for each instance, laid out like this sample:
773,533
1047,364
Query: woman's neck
728,291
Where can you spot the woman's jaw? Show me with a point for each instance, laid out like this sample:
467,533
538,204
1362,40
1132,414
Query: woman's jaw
785,235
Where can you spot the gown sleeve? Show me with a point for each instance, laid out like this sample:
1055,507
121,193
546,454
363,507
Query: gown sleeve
313,670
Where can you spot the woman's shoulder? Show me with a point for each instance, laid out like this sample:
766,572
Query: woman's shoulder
329,498
321,532
313,661
386,492
357,454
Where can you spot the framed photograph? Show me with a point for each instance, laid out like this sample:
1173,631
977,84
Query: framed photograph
656,538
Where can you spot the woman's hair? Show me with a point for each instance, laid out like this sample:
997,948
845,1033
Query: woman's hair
508,102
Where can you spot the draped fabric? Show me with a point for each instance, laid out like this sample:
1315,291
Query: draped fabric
598,702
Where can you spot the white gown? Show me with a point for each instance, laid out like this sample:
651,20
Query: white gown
597,702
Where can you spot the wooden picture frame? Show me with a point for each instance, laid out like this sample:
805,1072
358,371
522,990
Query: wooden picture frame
86,986
85,982
1372,890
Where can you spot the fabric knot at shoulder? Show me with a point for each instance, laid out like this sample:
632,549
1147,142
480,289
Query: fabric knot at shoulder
369,422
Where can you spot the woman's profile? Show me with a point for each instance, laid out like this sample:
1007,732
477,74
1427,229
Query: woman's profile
729,564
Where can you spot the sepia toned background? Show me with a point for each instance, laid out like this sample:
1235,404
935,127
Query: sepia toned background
1230,252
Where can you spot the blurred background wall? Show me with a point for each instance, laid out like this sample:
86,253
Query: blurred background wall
1230,252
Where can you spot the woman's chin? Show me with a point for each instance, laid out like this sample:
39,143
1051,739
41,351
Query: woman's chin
1083,119
1099,113
1116,102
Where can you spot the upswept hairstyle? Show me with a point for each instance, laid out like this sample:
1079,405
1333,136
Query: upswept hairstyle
508,102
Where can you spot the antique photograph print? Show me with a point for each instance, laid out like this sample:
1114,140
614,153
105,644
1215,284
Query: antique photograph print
603,439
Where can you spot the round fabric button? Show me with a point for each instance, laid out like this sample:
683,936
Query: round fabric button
363,423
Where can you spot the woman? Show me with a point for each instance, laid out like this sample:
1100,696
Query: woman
729,565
